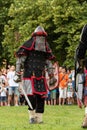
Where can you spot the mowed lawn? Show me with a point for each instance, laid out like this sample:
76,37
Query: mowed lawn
55,118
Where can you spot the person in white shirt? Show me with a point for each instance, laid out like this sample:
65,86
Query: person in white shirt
3,94
2,78
13,86
69,91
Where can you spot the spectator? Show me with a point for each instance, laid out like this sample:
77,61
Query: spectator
3,92
70,91
3,75
60,69
4,72
69,71
63,81
2,78
72,75
53,96
73,78
13,87
8,67
57,89
22,100
48,99
79,83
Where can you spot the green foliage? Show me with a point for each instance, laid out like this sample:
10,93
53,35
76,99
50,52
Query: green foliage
62,20
69,18
24,20
4,7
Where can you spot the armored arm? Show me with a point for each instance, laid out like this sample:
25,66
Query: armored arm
50,70
20,63
19,66
49,67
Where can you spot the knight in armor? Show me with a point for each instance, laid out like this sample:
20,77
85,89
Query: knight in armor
80,64
34,56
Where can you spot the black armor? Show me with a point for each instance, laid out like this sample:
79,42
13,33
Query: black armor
80,64
34,55
80,56
35,64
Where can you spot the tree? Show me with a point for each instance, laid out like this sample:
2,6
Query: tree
23,20
4,6
63,20
69,18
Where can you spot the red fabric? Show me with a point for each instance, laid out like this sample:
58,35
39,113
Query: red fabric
79,102
33,88
85,71
85,100
39,34
86,80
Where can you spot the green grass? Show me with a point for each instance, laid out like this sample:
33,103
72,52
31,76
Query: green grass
55,118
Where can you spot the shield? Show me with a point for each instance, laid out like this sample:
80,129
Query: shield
56,77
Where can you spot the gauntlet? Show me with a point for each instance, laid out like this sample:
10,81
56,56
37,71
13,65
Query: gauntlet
17,77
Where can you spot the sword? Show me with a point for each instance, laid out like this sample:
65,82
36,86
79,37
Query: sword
25,95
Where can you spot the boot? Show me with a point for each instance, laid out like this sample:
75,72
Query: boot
32,118
39,118
84,125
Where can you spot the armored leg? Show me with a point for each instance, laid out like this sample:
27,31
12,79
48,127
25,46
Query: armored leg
32,114
84,124
39,108
32,117
35,115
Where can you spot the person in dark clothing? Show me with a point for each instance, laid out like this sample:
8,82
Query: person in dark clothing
35,56
80,63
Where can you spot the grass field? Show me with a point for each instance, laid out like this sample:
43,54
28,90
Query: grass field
55,118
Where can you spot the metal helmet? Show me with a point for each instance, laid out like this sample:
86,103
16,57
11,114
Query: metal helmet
39,31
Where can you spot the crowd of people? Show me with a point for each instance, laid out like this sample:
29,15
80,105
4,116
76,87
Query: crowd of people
34,57
65,92
10,94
